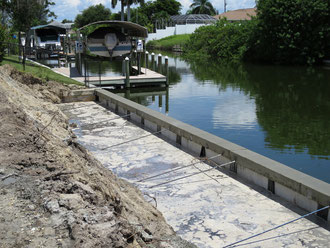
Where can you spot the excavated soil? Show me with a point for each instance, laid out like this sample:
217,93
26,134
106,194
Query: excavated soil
53,193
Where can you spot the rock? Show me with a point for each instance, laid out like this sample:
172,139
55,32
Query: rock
52,206
71,201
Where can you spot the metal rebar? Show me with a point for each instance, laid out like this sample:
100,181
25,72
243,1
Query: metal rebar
176,169
276,227
213,168
128,141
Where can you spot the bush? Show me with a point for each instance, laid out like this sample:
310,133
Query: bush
224,40
284,32
169,42
292,32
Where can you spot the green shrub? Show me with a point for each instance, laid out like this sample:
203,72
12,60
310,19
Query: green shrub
292,32
169,42
222,41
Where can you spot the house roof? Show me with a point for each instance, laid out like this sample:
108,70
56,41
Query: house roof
238,15
54,25
193,18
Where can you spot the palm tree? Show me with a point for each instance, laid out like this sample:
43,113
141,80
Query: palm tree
114,4
202,7
129,3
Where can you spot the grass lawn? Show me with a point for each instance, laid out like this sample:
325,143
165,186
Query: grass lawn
37,71
169,42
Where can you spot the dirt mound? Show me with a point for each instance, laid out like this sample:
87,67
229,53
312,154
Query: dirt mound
53,193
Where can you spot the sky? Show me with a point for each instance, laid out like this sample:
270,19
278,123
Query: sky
68,9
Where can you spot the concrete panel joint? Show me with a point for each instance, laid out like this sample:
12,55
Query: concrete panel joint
324,214
271,186
233,167
178,139
203,152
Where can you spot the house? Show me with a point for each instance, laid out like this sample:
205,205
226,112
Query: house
238,15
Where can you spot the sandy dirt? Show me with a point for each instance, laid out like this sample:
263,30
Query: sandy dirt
53,192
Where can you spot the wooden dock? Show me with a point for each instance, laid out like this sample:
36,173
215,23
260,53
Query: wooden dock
148,77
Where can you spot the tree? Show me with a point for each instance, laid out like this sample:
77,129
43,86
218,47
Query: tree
129,3
159,9
202,7
92,14
67,21
114,4
27,13
292,32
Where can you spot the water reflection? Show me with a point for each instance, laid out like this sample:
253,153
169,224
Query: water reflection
280,112
234,111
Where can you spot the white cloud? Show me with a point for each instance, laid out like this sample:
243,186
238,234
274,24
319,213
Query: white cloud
219,4
72,3
94,2
68,9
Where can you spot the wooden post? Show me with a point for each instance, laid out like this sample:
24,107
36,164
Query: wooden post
146,59
24,58
19,46
123,67
167,99
159,63
167,71
100,74
139,63
127,83
85,67
160,101
153,61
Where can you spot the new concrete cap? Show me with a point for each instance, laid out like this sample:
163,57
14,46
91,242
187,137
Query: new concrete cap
159,55
147,52
127,58
166,57
153,54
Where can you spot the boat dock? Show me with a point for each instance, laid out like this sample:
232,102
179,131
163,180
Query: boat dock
148,77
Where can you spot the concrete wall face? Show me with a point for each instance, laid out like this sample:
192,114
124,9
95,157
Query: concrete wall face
304,191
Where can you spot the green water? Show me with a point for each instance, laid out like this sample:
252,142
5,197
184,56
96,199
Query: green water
280,112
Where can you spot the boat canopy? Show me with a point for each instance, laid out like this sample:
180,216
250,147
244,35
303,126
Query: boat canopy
61,28
132,29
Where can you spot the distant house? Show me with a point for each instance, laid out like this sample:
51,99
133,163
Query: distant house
238,15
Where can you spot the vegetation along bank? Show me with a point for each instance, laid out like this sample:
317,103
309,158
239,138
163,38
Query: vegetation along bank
170,43
283,32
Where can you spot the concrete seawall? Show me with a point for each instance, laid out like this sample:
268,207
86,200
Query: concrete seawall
303,190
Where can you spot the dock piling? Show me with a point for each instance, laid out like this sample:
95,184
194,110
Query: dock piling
127,83
100,84
153,61
146,61
167,100
167,70
139,63
159,63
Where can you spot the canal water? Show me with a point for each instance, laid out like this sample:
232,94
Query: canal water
281,112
